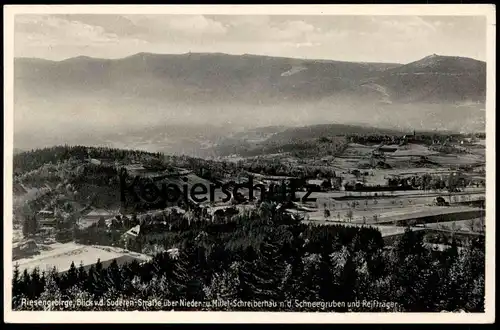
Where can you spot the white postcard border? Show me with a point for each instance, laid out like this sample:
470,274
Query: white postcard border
252,317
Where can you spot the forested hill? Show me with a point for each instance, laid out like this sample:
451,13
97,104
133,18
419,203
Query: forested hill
32,165
30,160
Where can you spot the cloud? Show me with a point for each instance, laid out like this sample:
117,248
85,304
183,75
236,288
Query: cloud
198,24
377,38
403,27
298,26
58,38
289,30
50,29
117,24
302,44
168,26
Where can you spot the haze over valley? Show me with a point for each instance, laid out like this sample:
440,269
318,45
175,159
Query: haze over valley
177,103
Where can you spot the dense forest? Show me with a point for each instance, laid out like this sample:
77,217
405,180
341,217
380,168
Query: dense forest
265,255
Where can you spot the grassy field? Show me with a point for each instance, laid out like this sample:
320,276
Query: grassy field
405,156
382,195
60,255
405,161
387,214
460,225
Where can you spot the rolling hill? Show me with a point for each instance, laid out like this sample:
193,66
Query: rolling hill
435,79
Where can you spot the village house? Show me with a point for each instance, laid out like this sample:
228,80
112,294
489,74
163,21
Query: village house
47,218
44,214
387,148
221,213
94,216
336,183
315,185
102,161
130,237
467,141
133,232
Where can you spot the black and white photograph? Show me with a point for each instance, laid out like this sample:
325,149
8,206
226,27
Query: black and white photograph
299,162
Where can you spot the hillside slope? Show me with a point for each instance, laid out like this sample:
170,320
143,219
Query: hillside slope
435,79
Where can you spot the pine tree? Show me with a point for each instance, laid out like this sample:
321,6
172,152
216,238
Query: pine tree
162,290
26,282
275,269
36,287
98,267
411,271
180,277
52,291
310,279
410,243
327,280
70,278
347,282
224,286
195,268
261,278
82,275
17,288
99,281
114,276
92,284
88,285
246,290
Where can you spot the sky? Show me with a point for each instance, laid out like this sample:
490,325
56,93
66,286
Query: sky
391,39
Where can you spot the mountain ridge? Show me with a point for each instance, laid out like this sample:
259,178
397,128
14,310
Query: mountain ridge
251,77
85,94
208,53
434,55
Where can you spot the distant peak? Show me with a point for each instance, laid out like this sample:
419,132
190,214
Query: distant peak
432,56
80,58
448,57
141,54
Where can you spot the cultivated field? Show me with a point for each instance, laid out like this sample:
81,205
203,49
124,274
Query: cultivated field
386,207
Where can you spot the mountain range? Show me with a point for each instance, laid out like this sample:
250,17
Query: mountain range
217,78
85,97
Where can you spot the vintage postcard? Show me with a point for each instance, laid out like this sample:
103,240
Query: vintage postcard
313,164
